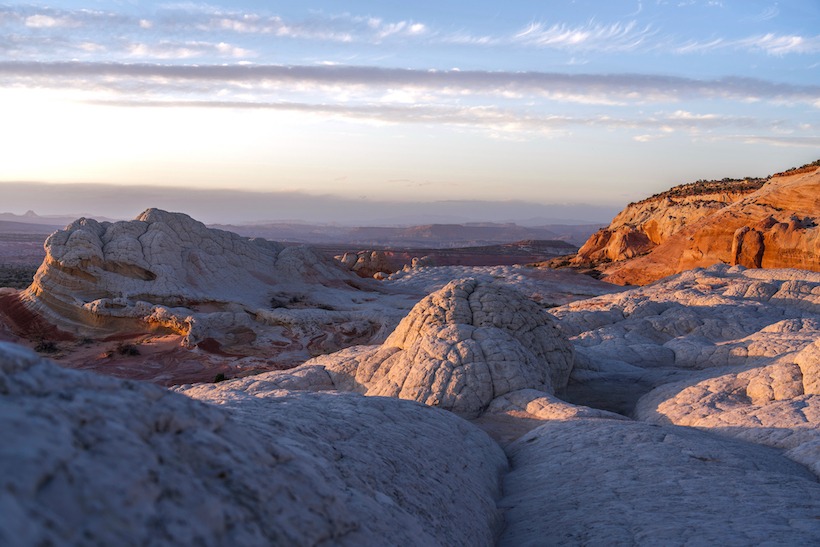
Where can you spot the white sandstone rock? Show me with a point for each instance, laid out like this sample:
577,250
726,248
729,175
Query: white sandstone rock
87,459
168,272
457,349
609,482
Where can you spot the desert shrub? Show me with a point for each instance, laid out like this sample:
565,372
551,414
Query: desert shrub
46,346
128,350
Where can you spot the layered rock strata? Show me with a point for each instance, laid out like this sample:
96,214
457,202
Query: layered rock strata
166,272
775,226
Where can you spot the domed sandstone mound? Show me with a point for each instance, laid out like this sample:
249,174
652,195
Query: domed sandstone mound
167,272
458,349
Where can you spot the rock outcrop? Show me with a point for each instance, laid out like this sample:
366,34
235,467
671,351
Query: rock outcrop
369,263
776,405
733,350
288,457
608,482
775,226
168,273
458,349
87,459
642,226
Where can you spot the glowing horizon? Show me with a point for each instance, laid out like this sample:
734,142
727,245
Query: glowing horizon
575,102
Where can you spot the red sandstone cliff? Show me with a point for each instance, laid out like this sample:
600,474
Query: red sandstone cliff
773,226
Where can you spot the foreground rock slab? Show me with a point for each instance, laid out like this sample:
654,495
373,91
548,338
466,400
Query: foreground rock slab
87,459
607,482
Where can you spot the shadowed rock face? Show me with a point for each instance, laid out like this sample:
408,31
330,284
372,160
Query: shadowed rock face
87,459
458,349
167,272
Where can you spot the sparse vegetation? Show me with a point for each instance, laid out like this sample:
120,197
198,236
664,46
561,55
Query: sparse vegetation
16,277
129,350
701,187
797,170
286,301
46,346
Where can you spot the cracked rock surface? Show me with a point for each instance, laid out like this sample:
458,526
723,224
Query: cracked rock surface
458,349
612,482
166,272
91,460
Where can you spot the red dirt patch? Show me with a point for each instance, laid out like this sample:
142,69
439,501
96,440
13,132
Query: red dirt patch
27,324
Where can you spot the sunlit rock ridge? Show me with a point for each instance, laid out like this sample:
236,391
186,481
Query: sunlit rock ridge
773,225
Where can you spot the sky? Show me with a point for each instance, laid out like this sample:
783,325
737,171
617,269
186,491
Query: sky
562,102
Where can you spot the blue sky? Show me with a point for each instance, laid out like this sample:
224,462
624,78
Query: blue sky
546,102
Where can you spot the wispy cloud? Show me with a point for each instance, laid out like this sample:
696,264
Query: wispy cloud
196,23
767,14
187,50
771,44
774,44
790,142
590,37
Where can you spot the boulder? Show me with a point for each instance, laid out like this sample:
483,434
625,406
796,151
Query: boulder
458,349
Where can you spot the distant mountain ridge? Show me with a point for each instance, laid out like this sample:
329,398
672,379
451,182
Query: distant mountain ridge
424,236
60,221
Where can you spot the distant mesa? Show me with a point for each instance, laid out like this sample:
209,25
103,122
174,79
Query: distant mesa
756,223
381,263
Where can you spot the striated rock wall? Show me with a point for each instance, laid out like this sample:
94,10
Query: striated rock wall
642,226
774,227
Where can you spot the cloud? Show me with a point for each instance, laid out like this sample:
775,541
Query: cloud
45,21
370,83
770,43
590,37
789,142
195,23
335,28
774,44
767,14
187,50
